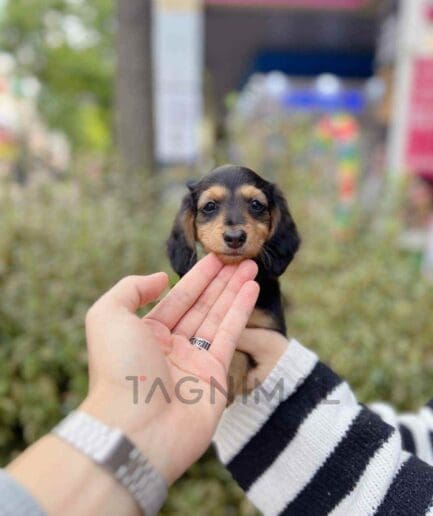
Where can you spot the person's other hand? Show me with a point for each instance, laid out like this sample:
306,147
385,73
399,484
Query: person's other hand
266,347
144,375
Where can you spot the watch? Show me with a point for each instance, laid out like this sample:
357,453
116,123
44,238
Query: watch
112,450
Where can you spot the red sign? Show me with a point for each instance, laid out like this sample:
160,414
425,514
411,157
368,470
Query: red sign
419,150
316,4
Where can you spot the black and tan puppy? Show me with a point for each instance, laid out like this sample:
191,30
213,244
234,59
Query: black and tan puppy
236,214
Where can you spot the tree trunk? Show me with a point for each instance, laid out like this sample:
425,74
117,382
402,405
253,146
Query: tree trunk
134,86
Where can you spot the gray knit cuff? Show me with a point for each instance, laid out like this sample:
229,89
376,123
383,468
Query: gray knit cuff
15,500
247,414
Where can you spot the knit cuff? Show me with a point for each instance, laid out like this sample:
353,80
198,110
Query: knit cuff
15,500
247,414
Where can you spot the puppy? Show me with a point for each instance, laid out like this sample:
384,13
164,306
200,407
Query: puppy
236,214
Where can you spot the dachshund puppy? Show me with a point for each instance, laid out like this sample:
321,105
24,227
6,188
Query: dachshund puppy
236,214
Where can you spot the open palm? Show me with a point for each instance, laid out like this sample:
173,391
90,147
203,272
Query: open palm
167,394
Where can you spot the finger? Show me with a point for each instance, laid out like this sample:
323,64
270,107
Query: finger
258,342
265,346
254,341
209,325
195,316
133,292
185,293
227,336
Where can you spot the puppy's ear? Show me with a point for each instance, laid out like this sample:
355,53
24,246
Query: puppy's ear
181,243
191,185
284,239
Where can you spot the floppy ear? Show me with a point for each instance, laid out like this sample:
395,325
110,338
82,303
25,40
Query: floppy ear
181,243
284,239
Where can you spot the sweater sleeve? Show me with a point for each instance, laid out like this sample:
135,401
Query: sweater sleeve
15,500
301,444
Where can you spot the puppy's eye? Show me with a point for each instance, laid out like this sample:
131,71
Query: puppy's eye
210,207
257,206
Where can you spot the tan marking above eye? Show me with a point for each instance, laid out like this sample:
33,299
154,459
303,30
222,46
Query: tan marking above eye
215,193
251,192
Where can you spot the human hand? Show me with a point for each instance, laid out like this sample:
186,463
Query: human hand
265,347
177,406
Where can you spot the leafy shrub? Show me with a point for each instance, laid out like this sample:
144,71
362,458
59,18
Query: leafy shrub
61,246
361,304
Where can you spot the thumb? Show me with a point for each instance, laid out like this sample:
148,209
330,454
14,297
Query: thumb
134,292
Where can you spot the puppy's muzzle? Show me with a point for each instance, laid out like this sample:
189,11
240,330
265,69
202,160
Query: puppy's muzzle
235,238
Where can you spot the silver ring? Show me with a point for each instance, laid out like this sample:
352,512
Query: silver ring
200,343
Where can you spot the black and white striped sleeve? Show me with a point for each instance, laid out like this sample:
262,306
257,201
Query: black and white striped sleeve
301,444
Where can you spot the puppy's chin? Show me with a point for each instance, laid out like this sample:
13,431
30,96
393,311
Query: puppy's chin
231,259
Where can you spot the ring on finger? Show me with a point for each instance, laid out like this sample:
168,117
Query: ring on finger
200,343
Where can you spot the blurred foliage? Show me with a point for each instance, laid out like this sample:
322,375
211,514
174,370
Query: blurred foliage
61,246
361,304
68,46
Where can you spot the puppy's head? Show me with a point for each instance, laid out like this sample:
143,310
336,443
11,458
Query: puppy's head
235,214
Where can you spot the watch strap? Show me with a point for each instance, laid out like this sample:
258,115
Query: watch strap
112,450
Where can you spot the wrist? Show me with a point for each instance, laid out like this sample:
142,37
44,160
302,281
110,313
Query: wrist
145,431
65,481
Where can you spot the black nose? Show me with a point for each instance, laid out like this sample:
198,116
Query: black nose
235,238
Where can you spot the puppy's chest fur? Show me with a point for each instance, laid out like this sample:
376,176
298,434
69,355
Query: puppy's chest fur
269,310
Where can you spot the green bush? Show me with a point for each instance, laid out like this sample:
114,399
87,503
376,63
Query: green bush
361,305
61,246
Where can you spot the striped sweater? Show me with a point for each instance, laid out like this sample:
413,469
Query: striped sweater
301,444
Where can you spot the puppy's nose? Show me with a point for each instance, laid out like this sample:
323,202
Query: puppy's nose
235,238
